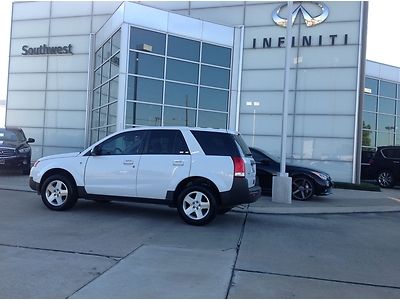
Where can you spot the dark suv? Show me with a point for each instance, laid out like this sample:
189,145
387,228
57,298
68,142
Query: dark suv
15,152
384,166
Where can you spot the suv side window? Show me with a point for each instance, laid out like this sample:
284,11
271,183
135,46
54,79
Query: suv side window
126,143
216,143
391,153
166,142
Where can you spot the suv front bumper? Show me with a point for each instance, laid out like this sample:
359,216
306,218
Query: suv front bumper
240,193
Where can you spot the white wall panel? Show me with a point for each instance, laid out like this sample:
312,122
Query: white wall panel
28,64
323,148
27,81
324,126
166,5
270,102
36,133
327,79
105,7
64,137
31,10
185,26
32,28
265,58
68,63
36,151
25,118
68,100
65,81
68,9
222,15
334,102
203,4
146,16
264,124
17,44
218,34
65,119
70,26
98,22
326,57
271,144
59,150
25,100
265,80
80,44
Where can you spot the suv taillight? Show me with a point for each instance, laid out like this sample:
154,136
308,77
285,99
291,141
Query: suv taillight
239,169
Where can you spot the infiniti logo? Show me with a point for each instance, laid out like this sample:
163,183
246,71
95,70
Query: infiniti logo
309,20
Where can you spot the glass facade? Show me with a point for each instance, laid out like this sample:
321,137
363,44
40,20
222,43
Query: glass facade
105,89
381,114
176,81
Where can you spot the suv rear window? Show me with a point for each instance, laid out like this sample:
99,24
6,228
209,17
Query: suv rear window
242,144
216,143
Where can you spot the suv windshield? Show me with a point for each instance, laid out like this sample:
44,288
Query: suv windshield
8,135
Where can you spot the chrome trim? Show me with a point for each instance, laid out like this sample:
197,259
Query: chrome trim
309,20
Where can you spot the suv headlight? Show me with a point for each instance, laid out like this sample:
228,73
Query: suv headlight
24,150
321,175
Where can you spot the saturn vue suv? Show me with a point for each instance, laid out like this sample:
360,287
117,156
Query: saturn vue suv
15,152
201,172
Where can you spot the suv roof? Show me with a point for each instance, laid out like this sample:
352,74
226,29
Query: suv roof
184,128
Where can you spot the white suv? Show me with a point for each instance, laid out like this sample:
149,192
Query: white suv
202,172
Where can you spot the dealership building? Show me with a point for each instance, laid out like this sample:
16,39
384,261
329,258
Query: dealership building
79,71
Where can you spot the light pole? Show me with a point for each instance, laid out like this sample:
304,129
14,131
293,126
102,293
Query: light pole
254,104
282,184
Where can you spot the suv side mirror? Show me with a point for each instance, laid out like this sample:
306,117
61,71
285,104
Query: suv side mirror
96,151
30,140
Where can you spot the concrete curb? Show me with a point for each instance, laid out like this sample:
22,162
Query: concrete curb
321,210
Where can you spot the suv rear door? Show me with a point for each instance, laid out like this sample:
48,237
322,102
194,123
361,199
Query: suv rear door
164,163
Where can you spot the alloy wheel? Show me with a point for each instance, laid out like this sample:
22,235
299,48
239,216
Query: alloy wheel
302,188
196,205
385,179
56,193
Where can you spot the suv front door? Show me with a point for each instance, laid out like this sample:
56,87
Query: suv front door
113,170
164,163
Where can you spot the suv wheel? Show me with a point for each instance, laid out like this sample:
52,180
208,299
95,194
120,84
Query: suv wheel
385,179
58,193
302,188
197,205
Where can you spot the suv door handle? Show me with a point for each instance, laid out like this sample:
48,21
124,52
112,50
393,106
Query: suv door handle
128,162
178,163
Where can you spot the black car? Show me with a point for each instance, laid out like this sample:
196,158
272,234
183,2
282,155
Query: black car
383,166
306,182
15,152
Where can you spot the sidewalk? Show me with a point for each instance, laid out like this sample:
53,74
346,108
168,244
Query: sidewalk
340,201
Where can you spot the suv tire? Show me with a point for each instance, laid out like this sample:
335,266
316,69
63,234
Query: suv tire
58,193
385,179
197,205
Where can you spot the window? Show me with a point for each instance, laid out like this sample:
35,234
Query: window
216,143
143,114
387,89
114,61
213,99
107,50
387,106
216,55
371,86
369,120
116,42
179,117
180,94
144,89
384,139
183,48
370,103
215,77
166,142
147,65
182,71
368,138
391,153
212,119
386,123
146,40
127,143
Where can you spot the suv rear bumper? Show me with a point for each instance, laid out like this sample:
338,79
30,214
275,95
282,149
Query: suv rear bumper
240,193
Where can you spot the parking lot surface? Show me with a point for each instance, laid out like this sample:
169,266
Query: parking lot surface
121,250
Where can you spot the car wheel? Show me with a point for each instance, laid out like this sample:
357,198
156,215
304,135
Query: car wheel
385,179
197,205
302,188
58,193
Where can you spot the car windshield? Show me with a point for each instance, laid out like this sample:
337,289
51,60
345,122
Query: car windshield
7,135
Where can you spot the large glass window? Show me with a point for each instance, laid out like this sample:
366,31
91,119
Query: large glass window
144,89
183,48
146,40
215,77
180,94
369,121
182,71
387,89
387,106
143,114
384,139
370,103
212,119
371,86
368,138
179,117
216,55
386,123
213,99
147,65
